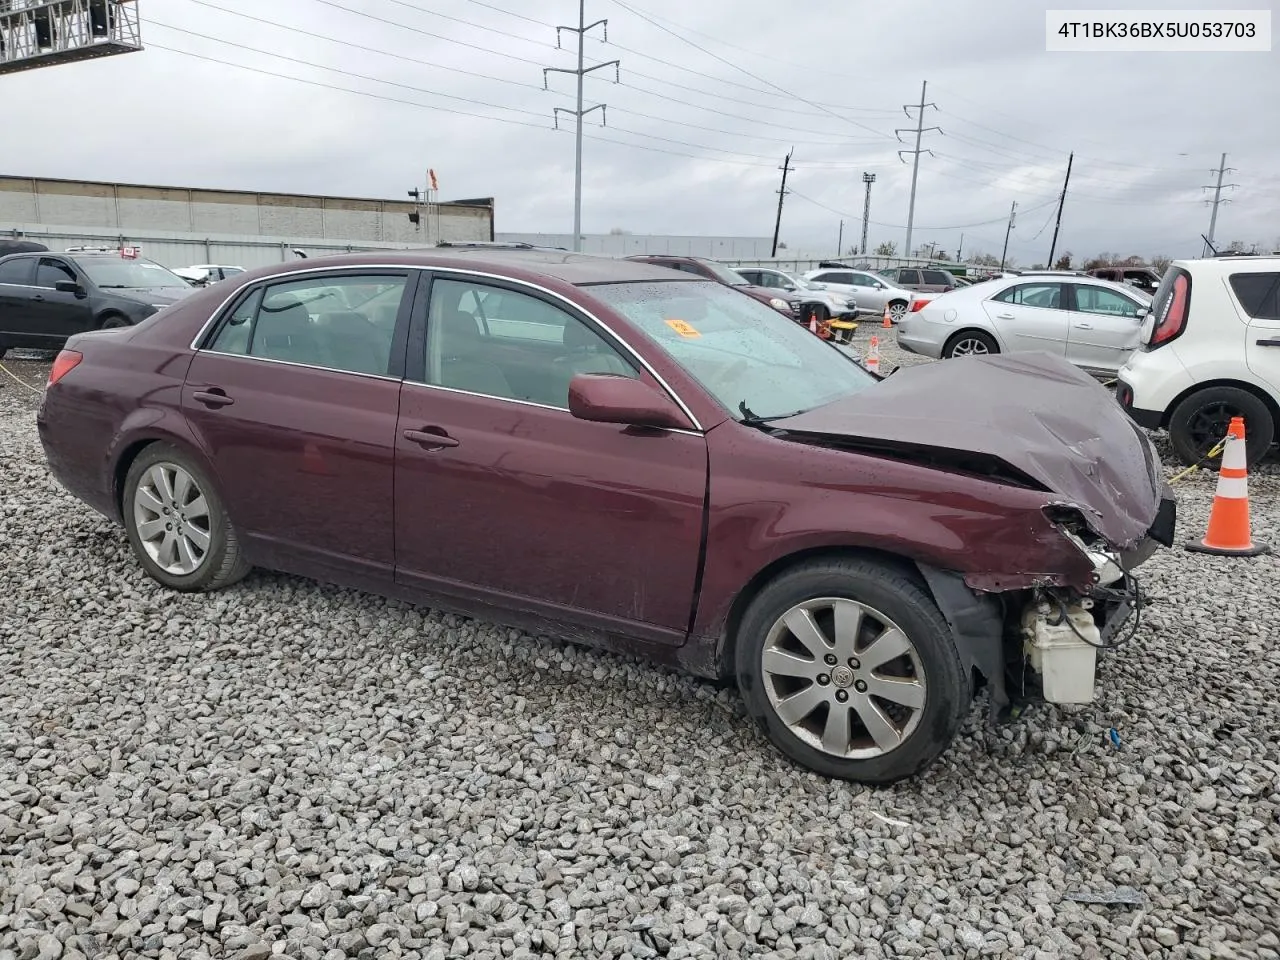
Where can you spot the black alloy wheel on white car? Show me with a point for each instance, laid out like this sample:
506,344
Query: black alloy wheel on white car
851,670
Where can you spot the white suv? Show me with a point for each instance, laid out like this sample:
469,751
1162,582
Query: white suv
1210,351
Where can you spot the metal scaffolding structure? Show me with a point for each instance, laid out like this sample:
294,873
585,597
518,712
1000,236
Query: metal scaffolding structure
44,33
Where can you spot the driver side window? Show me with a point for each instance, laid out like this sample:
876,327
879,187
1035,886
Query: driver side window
504,343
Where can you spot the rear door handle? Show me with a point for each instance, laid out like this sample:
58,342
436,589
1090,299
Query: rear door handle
1004,316
212,398
430,440
38,298
1273,342
1084,326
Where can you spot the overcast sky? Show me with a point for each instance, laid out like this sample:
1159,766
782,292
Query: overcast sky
697,128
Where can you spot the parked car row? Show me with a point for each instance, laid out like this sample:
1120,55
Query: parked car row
637,458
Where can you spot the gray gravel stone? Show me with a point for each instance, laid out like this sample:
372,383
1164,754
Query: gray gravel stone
286,767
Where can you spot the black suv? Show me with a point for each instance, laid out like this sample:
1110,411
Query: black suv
46,297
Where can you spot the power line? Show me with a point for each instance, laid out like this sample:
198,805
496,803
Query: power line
741,69
899,226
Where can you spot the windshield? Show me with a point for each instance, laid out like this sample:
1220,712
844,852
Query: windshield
129,274
724,274
754,361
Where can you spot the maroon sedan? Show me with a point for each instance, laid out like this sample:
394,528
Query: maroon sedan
610,452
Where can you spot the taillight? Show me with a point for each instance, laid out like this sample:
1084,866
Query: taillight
918,305
66,361
1172,311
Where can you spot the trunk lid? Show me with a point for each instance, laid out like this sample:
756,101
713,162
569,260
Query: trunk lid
1034,414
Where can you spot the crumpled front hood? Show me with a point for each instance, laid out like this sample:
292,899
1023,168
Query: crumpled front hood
1032,411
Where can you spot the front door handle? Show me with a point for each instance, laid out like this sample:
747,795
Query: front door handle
1084,326
212,398
1273,342
430,440
38,298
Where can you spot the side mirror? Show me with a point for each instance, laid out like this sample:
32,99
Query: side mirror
69,286
605,398
1142,313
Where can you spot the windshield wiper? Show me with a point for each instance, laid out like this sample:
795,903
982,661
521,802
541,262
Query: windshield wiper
114,286
751,420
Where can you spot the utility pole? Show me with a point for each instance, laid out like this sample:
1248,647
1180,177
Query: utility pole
959,258
581,30
1217,189
915,162
840,241
868,179
1061,200
777,224
1008,230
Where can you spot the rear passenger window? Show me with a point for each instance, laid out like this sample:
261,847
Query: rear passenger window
937,276
16,271
1258,293
340,323
909,276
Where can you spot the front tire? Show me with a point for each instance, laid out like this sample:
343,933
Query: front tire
113,322
897,310
1201,420
177,525
850,669
970,343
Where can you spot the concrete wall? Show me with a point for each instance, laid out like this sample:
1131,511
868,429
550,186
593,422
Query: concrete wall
624,245
125,208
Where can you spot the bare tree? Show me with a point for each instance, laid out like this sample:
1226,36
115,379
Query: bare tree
887,249
1064,261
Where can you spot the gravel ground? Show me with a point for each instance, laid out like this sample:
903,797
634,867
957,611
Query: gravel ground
288,768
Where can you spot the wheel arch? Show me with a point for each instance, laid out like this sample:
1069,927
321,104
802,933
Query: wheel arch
112,313
976,619
128,452
946,344
1261,394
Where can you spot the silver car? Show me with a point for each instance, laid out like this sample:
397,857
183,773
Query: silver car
1091,323
830,304
873,293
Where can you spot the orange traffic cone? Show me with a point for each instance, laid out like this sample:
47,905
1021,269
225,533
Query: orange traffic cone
1228,533
813,323
888,320
872,361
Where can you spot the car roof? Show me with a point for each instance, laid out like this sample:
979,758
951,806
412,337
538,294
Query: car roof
1231,264
578,269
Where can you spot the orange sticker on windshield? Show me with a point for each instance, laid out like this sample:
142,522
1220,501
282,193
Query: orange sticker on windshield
682,328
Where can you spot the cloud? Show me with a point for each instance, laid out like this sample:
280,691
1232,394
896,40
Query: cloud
712,96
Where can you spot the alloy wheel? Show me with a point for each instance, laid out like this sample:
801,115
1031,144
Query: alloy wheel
897,311
969,347
1209,426
843,677
172,519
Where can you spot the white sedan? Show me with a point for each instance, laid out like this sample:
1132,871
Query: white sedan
1091,323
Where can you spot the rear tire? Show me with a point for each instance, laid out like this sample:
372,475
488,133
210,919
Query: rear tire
827,699
177,525
970,343
1200,421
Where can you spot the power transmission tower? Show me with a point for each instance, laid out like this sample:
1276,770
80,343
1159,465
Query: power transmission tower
1008,230
782,193
1217,189
868,179
915,163
1061,200
581,30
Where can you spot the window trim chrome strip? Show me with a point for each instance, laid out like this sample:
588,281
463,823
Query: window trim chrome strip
290,275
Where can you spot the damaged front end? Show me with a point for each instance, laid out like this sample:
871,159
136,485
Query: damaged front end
1040,639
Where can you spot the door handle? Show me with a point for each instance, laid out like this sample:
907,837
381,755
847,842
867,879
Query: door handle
1273,342
1004,316
1084,326
212,398
38,298
430,440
